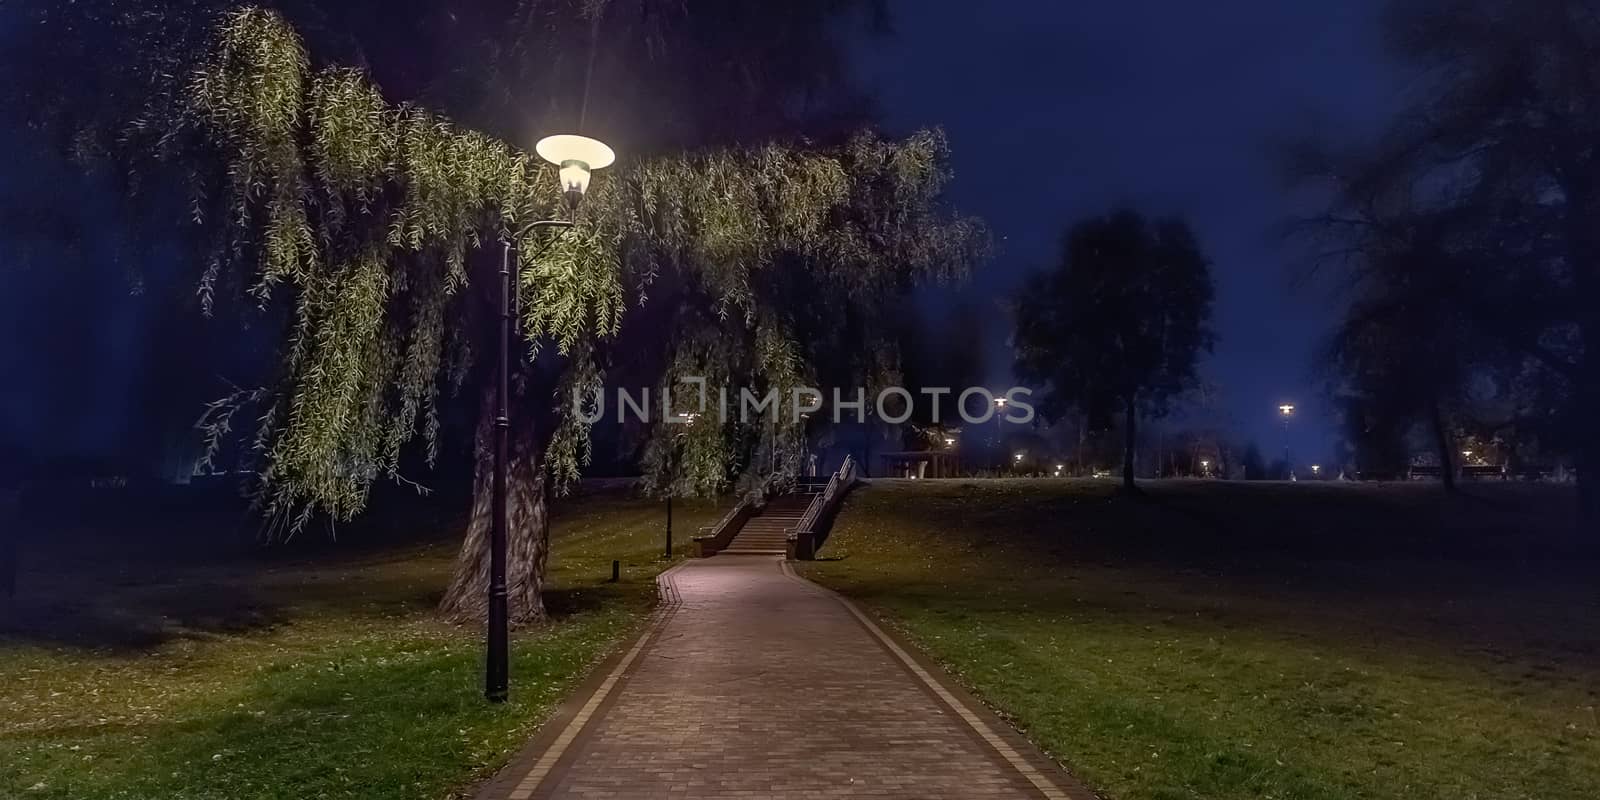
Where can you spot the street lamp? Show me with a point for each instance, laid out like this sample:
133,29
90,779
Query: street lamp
688,418
999,425
1205,468
1316,469
577,157
1286,411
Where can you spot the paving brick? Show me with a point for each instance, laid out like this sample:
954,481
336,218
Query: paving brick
760,685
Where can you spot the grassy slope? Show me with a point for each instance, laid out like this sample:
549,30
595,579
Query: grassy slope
325,676
1233,641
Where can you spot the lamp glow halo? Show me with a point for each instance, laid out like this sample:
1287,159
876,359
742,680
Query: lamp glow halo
565,147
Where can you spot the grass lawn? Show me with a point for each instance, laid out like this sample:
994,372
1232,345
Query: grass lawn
1254,641
162,665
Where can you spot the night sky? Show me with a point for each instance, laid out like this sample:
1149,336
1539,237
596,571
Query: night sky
1057,111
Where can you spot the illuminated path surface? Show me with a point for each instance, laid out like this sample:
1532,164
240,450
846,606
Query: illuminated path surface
753,683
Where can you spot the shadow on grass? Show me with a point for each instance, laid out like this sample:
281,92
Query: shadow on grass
1507,571
114,618
127,575
571,601
134,575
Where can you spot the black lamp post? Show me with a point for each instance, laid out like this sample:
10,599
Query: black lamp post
1286,412
676,457
1000,434
576,156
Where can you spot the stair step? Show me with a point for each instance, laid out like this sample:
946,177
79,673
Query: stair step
767,533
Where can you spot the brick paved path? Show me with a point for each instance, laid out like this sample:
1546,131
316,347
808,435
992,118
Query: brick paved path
754,683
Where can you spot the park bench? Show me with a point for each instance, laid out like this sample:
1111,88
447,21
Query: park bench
1468,471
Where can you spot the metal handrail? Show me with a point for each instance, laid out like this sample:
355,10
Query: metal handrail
734,516
808,520
726,520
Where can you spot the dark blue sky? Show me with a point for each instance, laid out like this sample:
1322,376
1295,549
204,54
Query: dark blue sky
1060,110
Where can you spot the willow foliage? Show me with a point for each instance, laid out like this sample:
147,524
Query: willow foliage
359,217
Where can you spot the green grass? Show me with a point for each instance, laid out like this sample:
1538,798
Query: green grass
317,674
1254,641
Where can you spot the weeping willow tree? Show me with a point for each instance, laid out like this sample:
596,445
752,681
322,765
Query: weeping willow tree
370,229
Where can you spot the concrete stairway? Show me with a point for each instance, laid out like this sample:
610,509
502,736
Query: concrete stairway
767,532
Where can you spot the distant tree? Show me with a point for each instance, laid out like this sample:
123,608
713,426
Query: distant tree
1255,468
10,542
1374,437
942,348
1119,325
1406,351
1499,139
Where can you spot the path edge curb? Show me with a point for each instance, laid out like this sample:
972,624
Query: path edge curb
562,729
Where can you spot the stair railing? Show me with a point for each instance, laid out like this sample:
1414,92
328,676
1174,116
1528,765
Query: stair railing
716,538
803,538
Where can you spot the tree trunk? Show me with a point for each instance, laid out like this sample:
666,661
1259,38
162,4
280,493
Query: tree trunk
527,530
1130,445
1441,440
1082,438
1588,455
1587,405
866,450
10,544
1584,252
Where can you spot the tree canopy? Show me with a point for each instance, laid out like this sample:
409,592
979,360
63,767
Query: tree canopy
1492,177
1119,325
361,215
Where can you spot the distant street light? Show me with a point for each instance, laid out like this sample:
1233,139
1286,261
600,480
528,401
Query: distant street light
1316,469
1205,468
677,461
1286,412
999,425
577,157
